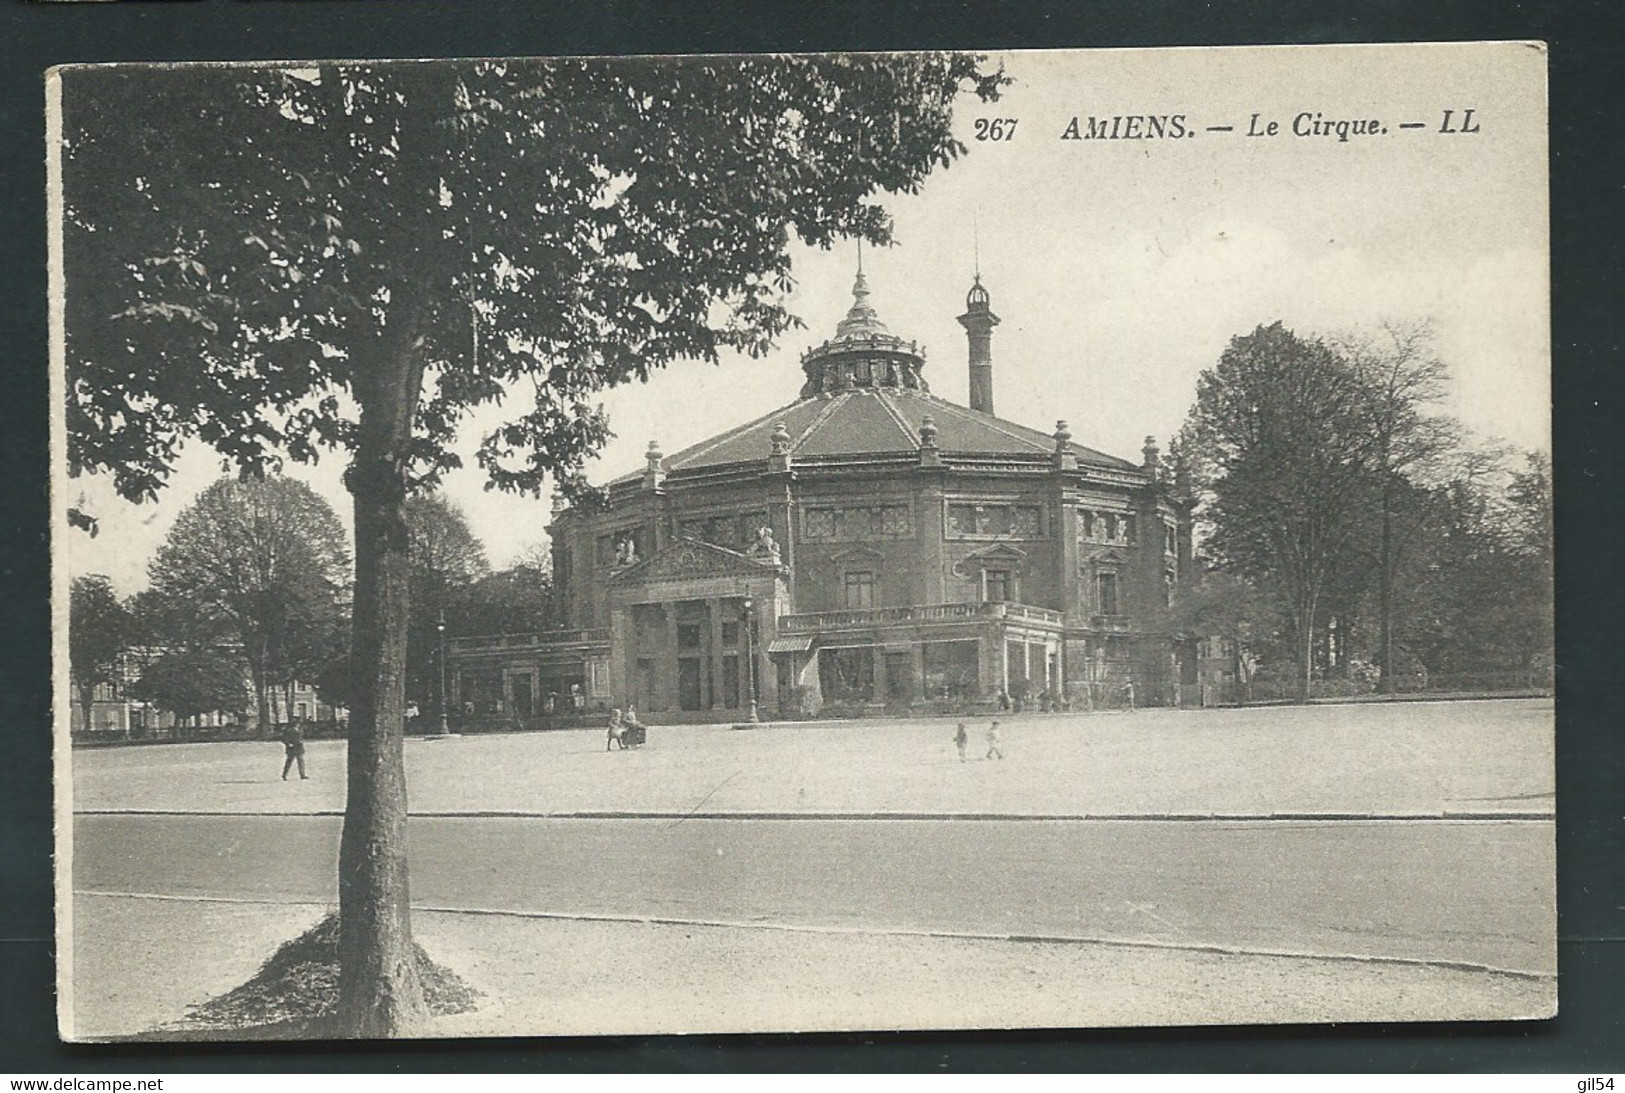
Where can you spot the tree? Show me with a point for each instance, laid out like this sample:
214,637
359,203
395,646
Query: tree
1402,378
446,562
518,599
358,256
193,681
260,562
98,633
1277,440
1225,606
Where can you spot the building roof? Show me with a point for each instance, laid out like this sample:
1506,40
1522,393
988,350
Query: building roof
841,416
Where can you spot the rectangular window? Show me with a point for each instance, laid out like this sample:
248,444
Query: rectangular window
730,634
997,586
1106,587
860,589
1172,539
688,635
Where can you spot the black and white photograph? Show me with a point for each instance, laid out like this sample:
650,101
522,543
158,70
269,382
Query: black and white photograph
603,546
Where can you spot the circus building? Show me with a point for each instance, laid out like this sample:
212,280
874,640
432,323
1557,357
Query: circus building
868,548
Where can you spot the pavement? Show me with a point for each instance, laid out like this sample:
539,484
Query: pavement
1081,881
1487,757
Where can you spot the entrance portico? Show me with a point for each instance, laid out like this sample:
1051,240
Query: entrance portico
690,628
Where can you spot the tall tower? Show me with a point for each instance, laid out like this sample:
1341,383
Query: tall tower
979,322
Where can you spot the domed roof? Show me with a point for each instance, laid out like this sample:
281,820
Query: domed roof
876,422
865,397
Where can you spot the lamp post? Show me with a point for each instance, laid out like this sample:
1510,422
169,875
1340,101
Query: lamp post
750,659
441,725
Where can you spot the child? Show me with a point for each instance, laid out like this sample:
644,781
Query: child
961,738
993,741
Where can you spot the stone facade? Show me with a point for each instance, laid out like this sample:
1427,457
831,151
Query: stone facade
868,547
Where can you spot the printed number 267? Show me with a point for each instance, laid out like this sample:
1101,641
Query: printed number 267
996,128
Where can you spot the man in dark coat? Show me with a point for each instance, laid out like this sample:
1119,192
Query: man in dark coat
293,743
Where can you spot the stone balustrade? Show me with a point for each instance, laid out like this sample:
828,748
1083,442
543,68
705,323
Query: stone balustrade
819,621
542,639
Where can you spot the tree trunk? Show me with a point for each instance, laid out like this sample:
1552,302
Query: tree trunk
379,991
1306,643
262,694
1385,596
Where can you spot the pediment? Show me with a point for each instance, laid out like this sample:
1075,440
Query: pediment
999,552
687,559
1108,556
999,555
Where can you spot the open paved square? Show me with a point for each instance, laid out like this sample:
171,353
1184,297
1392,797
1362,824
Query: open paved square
1390,758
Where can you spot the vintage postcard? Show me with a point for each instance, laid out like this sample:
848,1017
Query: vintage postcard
803,542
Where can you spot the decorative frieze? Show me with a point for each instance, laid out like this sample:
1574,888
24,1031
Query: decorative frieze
990,520
1115,528
855,523
734,530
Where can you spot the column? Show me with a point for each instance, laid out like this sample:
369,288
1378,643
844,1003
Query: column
742,663
916,666
667,670
623,656
718,615
989,657
878,661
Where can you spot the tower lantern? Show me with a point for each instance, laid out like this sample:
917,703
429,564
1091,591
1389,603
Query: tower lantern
979,322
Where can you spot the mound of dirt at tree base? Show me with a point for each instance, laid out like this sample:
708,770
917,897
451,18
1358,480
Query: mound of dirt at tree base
295,992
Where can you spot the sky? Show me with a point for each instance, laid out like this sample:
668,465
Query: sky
1122,268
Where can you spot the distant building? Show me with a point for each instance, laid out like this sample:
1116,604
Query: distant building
113,713
870,546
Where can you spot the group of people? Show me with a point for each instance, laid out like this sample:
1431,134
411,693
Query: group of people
995,749
1046,701
626,731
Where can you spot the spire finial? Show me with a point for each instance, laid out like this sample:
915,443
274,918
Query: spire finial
976,244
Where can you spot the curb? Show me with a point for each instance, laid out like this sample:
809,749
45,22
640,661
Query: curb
976,817
895,931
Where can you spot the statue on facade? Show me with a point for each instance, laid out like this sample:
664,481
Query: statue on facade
626,552
765,546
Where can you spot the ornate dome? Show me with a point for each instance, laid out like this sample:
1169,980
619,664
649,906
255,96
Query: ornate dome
862,354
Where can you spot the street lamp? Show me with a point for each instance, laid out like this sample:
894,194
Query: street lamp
441,727
750,659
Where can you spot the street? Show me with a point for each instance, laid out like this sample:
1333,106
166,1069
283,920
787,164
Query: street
1428,891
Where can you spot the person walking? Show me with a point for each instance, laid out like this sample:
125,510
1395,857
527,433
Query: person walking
617,731
293,746
993,748
961,738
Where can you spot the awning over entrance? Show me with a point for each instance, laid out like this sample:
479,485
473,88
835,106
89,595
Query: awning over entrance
797,643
